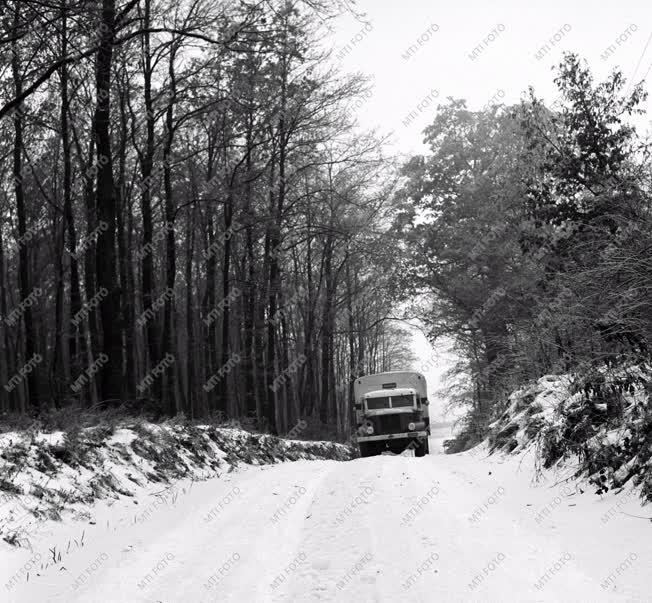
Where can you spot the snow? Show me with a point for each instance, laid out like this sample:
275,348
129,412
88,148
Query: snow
465,527
122,436
10,437
49,476
54,438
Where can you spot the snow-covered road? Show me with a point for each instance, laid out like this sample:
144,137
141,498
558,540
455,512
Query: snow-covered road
441,528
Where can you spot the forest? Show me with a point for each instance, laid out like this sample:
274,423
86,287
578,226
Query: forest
528,233
192,222
189,220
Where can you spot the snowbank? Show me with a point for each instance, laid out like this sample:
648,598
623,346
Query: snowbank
44,476
568,423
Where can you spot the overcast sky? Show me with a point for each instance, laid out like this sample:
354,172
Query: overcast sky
505,66
509,39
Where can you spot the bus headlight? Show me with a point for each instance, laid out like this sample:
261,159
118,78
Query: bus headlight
370,429
411,426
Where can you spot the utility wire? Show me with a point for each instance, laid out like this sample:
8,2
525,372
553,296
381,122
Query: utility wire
638,64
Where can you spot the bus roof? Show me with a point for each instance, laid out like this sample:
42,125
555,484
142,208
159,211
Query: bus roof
399,391
391,381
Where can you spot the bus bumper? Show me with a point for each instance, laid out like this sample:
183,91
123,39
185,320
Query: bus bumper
393,436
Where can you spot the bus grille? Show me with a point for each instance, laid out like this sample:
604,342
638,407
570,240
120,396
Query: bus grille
391,423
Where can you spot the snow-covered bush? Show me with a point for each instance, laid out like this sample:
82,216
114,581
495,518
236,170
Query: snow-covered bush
43,473
605,430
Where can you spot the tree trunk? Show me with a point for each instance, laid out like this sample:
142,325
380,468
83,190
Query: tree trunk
5,363
75,291
353,368
327,352
147,164
56,377
32,395
111,384
169,347
126,286
89,339
191,222
209,305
